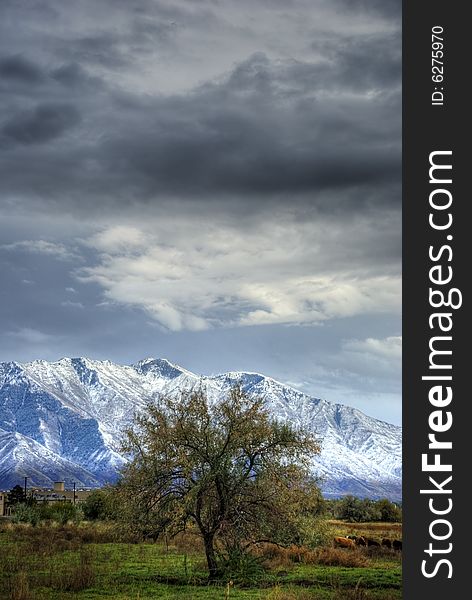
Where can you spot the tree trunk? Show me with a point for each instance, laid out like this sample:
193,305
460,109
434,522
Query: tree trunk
213,571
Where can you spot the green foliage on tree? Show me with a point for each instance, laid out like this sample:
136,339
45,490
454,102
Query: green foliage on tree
16,495
230,471
388,511
101,505
356,510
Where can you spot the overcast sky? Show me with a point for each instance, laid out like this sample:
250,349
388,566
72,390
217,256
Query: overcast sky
216,182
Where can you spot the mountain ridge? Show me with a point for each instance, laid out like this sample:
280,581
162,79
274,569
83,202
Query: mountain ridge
70,414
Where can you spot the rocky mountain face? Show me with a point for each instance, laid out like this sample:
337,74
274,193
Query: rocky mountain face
63,421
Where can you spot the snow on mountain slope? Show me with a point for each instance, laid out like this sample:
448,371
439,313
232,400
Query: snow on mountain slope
64,420
20,455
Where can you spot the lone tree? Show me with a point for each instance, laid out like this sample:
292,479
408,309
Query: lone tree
16,495
238,475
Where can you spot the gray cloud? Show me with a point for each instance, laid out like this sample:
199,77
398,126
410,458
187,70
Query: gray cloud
73,76
18,68
57,250
195,276
263,126
264,130
368,62
42,124
390,8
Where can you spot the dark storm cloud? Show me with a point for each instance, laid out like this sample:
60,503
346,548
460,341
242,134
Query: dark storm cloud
73,76
366,62
42,124
18,68
25,80
266,127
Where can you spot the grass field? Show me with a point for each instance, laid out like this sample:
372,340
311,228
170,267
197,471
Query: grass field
90,562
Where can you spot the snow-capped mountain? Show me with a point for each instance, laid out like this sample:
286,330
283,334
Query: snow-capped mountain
64,421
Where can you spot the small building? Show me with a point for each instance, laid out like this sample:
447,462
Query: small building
59,493
5,510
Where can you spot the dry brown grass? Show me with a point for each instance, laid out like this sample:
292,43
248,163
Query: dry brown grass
340,557
394,529
358,593
60,538
187,542
19,587
276,557
381,552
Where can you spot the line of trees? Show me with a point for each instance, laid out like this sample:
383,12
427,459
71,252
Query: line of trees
362,510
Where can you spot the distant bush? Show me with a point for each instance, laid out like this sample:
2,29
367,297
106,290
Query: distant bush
358,510
16,495
100,505
33,513
389,511
60,512
25,513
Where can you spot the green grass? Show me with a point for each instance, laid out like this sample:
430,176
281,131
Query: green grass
370,577
85,563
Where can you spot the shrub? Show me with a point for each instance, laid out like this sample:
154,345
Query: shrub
388,511
242,568
314,532
60,512
25,513
16,495
100,505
